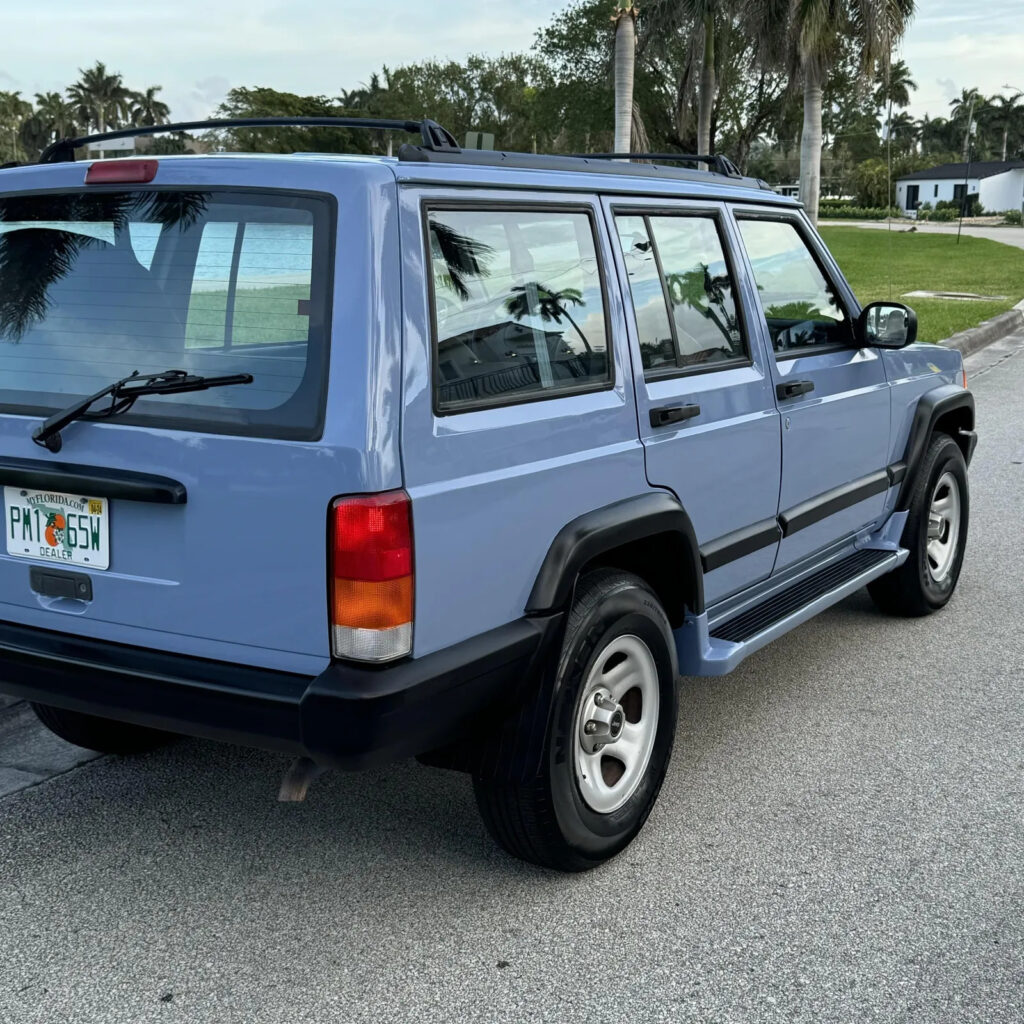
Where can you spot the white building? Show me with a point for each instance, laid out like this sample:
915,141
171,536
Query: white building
998,184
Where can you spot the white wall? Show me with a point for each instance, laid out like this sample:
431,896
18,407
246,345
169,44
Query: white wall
935,190
1003,191
998,193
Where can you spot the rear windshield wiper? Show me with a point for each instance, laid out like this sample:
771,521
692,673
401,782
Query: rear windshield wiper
123,394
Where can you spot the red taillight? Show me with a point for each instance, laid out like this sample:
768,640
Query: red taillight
965,376
371,577
122,172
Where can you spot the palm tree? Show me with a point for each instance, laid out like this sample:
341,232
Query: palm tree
904,130
13,111
145,109
625,66
894,89
1006,115
935,135
963,110
817,28
55,112
535,300
99,97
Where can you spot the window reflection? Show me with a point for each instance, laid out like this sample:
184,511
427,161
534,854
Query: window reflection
518,305
800,303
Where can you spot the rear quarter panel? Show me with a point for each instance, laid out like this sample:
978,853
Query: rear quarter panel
492,487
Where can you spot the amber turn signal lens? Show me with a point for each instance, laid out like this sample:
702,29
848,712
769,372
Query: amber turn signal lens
359,604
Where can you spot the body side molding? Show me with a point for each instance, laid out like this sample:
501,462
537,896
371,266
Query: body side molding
740,543
812,511
623,522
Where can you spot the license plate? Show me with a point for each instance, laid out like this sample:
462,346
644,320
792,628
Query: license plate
66,528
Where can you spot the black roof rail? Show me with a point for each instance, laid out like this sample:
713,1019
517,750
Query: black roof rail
721,164
433,136
589,163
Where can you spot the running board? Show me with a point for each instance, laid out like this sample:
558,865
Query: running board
706,650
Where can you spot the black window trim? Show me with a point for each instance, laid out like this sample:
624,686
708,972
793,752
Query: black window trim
428,205
197,425
717,214
793,218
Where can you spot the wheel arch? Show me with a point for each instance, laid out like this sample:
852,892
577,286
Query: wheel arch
948,409
650,535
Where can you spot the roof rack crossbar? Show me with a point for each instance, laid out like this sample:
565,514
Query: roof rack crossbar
722,164
433,136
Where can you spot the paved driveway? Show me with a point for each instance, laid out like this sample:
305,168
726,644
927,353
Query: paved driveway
839,839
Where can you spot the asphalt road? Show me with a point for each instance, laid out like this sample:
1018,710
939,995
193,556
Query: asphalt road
839,839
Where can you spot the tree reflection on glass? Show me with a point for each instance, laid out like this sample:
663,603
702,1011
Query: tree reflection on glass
708,294
550,306
464,258
33,259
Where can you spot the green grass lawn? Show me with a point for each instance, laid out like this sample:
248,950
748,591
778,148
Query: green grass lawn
261,315
882,265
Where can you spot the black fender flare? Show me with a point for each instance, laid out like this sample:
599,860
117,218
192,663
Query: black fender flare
931,407
623,522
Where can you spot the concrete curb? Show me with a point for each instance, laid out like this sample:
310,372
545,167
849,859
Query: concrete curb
975,338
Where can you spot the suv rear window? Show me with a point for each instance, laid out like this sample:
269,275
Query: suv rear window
96,285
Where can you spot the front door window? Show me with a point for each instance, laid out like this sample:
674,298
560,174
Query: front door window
800,303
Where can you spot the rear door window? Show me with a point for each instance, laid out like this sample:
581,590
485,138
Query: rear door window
94,286
518,306
682,289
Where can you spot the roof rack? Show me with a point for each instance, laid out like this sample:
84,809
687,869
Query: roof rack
721,164
435,138
589,163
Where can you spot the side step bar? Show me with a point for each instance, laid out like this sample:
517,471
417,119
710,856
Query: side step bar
714,650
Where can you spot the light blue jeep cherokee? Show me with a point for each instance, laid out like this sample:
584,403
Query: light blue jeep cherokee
460,455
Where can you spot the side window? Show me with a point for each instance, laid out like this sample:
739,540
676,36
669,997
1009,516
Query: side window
682,291
518,306
800,304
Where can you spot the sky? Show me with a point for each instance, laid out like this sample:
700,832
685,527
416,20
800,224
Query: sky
198,49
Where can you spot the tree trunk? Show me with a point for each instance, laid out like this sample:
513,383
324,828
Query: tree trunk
1006,139
810,144
625,60
707,86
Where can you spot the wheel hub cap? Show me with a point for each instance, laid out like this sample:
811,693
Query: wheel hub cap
605,723
943,527
616,724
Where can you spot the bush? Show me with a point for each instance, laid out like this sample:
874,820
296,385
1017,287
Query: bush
831,211
971,209
1013,217
940,215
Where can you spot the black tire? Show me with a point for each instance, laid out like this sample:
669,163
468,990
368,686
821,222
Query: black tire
547,820
913,590
100,734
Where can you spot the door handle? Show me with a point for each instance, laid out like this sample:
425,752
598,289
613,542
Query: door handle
666,414
792,388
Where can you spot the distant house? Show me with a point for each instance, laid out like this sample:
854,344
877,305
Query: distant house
998,184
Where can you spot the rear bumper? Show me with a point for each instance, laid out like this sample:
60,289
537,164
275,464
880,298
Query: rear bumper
347,717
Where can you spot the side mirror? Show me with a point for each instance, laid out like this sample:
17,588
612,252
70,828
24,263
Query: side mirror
886,325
